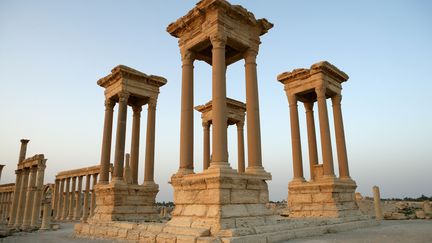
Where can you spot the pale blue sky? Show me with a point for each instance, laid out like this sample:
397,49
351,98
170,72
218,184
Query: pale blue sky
53,52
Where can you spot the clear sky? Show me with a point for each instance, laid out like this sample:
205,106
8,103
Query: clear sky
53,52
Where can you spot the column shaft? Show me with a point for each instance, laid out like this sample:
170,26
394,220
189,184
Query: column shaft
93,196
186,116
60,201
219,111
295,139
240,147
340,137
66,199
206,148
77,212
325,133
136,122
312,145
377,203
150,142
22,198
72,200
120,137
29,199
86,199
56,197
106,141
37,197
23,150
15,201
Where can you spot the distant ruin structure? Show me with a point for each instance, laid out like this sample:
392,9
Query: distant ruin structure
26,204
128,87
236,116
70,200
6,197
324,195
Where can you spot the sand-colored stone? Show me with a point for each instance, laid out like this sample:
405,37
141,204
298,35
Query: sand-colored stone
377,203
325,195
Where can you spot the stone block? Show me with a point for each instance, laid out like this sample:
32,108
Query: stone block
244,196
208,240
133,235
122,233
147,237
246,239
300,198
281,236
194,210
180,221
249,222
155,228
177,230
165,238
186,239
234,211
214,211
203,223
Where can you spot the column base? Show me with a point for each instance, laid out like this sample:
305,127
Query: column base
119,201
184,171
323,197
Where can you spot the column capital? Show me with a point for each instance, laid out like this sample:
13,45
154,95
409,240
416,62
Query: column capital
206,125
308,106
218,40
109,104
187,56
24,141
320,91
123,96
250,55
136,110
240,125
292,99
152,103
336,99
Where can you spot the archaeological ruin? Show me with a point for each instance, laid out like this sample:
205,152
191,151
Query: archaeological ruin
324,195
223,202
70,201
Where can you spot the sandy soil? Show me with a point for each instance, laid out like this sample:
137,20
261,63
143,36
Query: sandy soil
389,231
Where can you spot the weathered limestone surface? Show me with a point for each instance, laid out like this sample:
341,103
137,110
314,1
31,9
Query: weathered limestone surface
6,197
125,202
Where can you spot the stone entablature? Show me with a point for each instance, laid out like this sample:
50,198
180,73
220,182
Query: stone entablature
6,197
80,172
34,161
235,111
209,17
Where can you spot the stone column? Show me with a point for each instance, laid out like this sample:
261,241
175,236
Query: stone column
377,203
186,116
77,212
206,146
71,210
252,114
295,139
46,216
17,192
60,202
29,199
325,133
38,196
86,199
56,197
120,137
312,144
22,198
135,143
93,195
23,150
106,141
340,137
66,199
240,147
150,142
127,174
219,110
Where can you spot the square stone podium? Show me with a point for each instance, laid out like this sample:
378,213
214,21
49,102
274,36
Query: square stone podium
119,201
223,202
